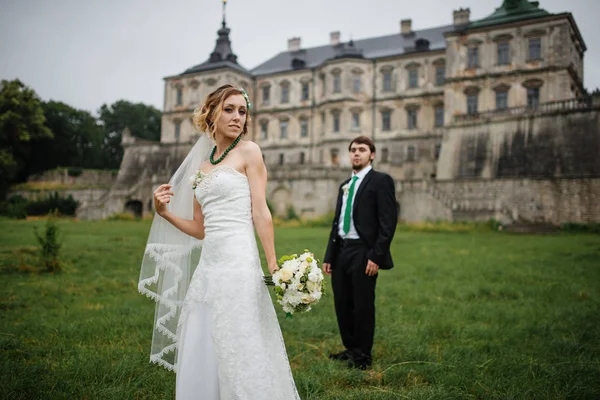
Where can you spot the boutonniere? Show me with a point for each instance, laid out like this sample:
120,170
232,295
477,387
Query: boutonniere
345,188
196,179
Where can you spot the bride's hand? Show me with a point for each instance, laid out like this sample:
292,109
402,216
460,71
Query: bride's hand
162,196
273,268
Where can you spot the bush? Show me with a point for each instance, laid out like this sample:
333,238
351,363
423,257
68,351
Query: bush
15,207
75,171
49,246
64,206
593,227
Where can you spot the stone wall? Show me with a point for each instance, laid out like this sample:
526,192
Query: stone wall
91,201
535,143
87,177
554,201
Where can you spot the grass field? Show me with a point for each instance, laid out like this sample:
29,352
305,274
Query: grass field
471,315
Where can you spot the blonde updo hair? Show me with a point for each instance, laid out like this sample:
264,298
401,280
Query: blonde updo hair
211,109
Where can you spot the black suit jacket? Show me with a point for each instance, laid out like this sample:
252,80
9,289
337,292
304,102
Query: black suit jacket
375,215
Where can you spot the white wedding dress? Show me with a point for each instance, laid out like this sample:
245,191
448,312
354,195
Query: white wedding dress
230,343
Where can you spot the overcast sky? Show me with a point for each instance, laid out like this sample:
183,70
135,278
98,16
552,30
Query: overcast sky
90,52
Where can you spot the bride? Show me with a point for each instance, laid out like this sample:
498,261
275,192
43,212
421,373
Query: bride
215,324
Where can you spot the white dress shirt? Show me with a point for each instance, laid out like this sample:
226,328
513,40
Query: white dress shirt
352,234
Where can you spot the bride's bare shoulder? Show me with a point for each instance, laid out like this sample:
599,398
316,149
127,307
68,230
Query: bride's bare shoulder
251,149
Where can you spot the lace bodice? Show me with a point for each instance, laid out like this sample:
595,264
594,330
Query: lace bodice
224,194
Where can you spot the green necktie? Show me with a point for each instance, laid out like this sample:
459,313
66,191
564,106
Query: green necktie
348,211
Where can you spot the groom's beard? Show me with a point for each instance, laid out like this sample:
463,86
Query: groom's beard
359,167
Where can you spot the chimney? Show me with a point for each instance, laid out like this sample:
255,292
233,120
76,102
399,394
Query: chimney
406,26
294,44
461,16
335,38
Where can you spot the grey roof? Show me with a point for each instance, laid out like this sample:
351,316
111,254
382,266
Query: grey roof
208,65
377,47
221,57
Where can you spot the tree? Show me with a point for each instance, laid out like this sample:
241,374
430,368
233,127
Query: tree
21,121
143,121
78,139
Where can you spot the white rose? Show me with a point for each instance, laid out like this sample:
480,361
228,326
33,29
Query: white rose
307,299
303,267
285,274
312,286
316,295
313,276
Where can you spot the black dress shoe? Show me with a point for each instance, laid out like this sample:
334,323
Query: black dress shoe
342,356
362,363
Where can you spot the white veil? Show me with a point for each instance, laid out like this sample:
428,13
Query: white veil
170,259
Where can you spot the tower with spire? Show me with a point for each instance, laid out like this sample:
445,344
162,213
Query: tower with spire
185,91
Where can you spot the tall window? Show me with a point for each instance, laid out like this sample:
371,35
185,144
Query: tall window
323,121
410,153
283,129
413,78
411,115
472,103
177,130
305,91
281,158
266,94
533,97
303,127
501,99
387,81
535,49
356,84
503,49
439,115
437,150
337,83
385,155
336,122
285,93
386,120
264,129
334,156
302,156
473,57
355,120
440,75
179,96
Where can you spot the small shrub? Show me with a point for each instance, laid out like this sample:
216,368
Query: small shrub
291,214
75,171
49,246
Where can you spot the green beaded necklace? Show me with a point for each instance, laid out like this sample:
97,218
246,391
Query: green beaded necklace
231,146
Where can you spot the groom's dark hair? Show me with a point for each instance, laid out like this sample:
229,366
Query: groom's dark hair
363,140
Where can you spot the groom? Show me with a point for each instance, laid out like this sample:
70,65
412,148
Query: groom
359,246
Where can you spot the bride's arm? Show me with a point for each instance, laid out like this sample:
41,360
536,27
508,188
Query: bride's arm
261,216
194,227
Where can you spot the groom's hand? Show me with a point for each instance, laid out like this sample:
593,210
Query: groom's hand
372,268
327,268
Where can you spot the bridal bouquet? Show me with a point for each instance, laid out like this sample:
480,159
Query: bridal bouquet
298,282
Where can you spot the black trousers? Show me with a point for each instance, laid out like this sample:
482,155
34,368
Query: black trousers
354,298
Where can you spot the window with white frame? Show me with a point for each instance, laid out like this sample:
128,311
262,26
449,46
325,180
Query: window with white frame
386,120
283,129
303,127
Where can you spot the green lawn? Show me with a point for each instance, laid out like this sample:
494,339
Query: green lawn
479,315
